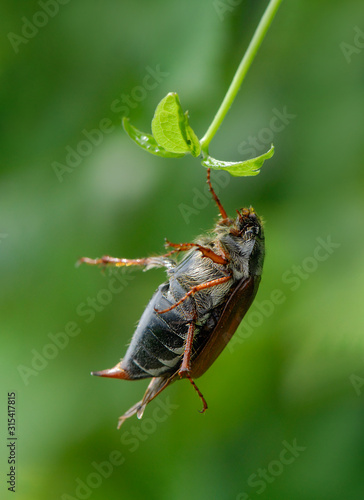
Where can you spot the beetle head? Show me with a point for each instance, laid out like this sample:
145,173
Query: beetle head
247,225
243,239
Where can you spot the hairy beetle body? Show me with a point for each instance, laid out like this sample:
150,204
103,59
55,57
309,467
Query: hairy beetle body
192,316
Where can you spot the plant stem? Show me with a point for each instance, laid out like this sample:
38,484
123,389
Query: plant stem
242,70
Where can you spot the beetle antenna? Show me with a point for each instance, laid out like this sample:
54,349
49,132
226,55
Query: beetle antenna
215,197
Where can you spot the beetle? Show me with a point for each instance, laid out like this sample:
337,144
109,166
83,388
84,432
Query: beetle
192,316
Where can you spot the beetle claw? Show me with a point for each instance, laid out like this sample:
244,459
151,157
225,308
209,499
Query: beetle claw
204,406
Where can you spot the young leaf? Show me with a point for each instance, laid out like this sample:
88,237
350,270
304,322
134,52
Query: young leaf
171,129
147,141
192,139
241,168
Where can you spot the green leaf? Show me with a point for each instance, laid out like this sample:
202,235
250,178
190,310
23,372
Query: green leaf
147,141
239,169
192,139
171,129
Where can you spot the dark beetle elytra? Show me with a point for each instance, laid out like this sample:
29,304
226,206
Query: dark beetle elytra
192,316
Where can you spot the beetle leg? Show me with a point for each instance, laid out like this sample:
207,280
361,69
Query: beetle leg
149,262
184,371
186,361
196,289
215,197
156,386
206,252
199,393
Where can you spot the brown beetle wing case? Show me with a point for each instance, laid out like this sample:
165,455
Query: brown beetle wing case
232,315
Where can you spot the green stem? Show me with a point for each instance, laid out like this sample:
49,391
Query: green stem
242,70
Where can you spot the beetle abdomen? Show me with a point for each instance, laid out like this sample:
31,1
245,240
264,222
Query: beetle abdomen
158,342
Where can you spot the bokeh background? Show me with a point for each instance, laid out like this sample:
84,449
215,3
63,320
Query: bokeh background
294,375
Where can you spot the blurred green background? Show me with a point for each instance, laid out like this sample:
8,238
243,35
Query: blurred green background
294,374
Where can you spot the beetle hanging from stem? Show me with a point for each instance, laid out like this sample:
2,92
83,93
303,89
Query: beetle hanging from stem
192,316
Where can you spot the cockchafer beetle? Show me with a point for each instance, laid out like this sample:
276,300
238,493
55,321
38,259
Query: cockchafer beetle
192,316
